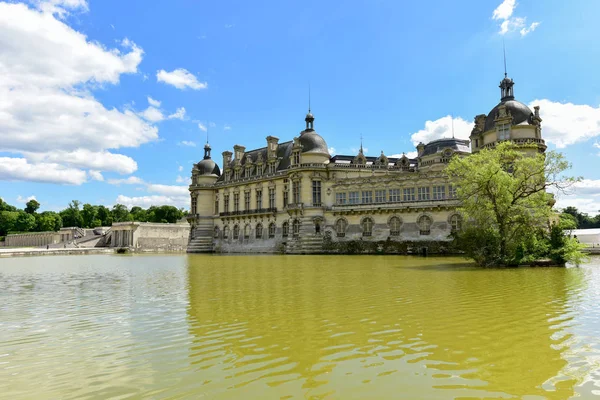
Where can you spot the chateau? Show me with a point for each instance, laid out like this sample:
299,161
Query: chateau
295,197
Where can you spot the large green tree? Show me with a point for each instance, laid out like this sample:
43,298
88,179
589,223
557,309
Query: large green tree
506,205
32,206
89,214
8,220
71,216
25,222
48,221
120,213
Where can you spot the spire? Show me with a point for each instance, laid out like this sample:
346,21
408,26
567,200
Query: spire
506,85
361,146
452,121
310,119
207,146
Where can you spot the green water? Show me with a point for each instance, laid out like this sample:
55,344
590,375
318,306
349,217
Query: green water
294,327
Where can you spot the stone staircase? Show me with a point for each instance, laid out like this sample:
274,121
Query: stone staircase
307,242
200,244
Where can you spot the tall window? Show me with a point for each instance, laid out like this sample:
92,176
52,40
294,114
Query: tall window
248,172
353,198
455,223
316,193
217,206
271,197
451,191
296,158
395,226
296,192
194,204
246,201
259,231
340,198
272,228
258,199
340,227
271,167
236,231
226,202
225,231
439,192
367,227
247,230
296,227
285,229
286,196
424,223
367,196
380,196
236,202
394,195
503,131
409,194
237,174
424,193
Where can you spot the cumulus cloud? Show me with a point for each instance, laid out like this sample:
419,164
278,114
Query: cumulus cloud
47,109
62,7
168,190
410,154
152,114
202,127
153,103
187,143
181,179
180,78
567,123
154,200
18,169
179,114
96,175
442,128
504,12
21,199
132,180
331,150
82,158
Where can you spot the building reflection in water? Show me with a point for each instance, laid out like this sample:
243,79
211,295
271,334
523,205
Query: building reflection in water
356,327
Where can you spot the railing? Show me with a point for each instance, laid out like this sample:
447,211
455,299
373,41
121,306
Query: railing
390,203
519,141
249,212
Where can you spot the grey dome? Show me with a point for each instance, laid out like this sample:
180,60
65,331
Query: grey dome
437,146
208,167
313,143
519,111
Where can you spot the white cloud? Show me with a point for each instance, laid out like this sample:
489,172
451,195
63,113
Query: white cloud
584,195
331,150
152,114
154,200
181,179
24,200
180,168
504,10
181,79
202,127
524,31
18,169
567,123
153,103
227,128
96,175
187,143
442,128
168,190
132,180
179,114
46,107
99,161
410,154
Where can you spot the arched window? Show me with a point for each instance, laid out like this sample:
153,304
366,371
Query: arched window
247,230
340,227
285,229
367,226
225,232
455,223
272,228
259,231
296,227
424,223
236,231
216,232
395,226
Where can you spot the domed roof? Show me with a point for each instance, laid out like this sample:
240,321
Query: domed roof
439,145
519,111
208,167
312,142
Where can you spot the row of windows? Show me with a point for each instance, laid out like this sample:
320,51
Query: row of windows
296,198
258,230
424,222
248,171
395,195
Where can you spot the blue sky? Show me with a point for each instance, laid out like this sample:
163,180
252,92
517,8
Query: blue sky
109,101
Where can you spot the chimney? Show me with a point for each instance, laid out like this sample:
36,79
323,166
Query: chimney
272,145
226,159
238,151
420,149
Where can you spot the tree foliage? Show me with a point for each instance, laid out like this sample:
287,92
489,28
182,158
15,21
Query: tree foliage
32,206
583,220
506,205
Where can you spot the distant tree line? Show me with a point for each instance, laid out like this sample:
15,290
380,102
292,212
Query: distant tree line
14,220
577,220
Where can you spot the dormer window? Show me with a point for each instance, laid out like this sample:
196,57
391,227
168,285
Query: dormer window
503,131
237,174
296,158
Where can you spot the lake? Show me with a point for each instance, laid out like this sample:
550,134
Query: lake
288,327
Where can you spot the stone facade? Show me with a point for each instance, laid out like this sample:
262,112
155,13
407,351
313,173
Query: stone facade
35,239
146,236
294,197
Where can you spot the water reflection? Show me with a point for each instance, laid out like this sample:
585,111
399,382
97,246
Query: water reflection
353,327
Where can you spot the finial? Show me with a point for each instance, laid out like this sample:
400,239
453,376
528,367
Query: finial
452,121
309,97
361,146
504,51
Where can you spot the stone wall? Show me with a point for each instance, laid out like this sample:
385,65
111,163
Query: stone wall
32,239
146,236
